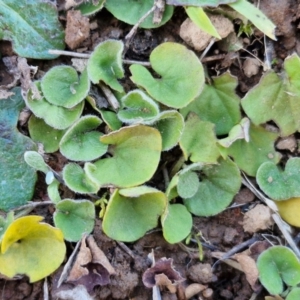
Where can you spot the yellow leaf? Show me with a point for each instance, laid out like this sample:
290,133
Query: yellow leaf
289,210
31,248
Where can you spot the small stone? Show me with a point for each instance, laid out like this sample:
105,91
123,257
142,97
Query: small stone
287,143
201,273
244,196
229,235
251,66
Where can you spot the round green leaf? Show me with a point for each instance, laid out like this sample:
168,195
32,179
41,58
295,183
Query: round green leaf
188,184
218,103
131,11
129,218
177,223
279,184
260,148
31,248
88,9
294,294
136,154
170,124
138,108
105,64
55,116
181,75
218,186
74,218
36,161
61,86
42,133
80,143
278,265
198,141
77,180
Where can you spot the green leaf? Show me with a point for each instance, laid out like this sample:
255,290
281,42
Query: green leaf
55,116
188,184
136,154
17,178
181,75
256,16
77,180
203,3
111,120
294,294
88,9
218,186
53,192
260,148
200,18
27,244
280,96
36,161
218,103
32,26
279,184
278,265
74,218
170,124
105,64
131,11
81,142
72,89
177,223
5,222
198,141
138,108
42,133
132,212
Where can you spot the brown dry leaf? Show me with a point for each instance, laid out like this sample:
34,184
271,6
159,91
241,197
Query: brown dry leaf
162,266
99,256
249,268
163,281
77,30
258,218
78,293
84,257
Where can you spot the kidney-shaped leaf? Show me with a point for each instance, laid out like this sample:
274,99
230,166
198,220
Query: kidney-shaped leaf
131,11
81,142
105,64
218,103
218,186
32,26
132,212
280,98
181,72
177,223
40,132
278,184
87,8
55,116
211,3
74,218
170,124
17,178
61,86
278,265
136,153
31,248
138,108
198,141
294,294
260,148
77,180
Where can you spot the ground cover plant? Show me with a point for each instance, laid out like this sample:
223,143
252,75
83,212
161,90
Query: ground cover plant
143,146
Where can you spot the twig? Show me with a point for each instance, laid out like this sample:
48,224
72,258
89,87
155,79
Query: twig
159,11
213,58
109,96
126,249
32,205
166,176
207,48
133,30
87,55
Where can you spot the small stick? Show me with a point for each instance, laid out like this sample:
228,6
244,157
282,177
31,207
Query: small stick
110,96
159,11
32,205
166,176
207,48
87,55
126,249
133,30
